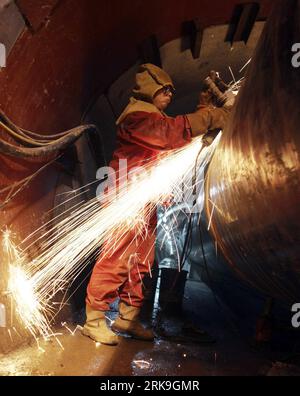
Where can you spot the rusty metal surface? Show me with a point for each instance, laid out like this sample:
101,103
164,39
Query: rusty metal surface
51,75
253,188
37,12
11,24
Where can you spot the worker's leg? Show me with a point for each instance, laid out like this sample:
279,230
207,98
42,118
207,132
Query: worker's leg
140,261
109,273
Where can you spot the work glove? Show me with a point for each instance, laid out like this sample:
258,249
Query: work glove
207,118
215,76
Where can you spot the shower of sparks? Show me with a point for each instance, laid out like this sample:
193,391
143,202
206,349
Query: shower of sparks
72,332
235,85
245,65
210,219
31,309
9,333
64,248
232,75
142,364
15,330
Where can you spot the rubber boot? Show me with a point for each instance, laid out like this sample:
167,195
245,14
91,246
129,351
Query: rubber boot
172,285
96,328
128,322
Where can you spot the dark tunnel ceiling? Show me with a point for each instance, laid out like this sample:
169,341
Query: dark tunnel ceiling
71,50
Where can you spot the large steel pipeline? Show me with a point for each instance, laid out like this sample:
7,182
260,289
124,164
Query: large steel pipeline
253,181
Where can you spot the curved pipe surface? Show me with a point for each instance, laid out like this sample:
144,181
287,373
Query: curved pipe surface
253,185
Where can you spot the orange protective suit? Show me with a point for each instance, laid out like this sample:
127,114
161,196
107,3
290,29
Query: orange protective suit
141,136
143,132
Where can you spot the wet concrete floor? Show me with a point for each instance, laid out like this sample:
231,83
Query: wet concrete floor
79,355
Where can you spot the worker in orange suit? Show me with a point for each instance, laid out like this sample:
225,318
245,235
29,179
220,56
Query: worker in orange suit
144,131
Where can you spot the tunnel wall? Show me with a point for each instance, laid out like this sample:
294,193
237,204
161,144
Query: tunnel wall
82,47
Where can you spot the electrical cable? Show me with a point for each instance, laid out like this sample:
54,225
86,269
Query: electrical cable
6,120
187,246
21,138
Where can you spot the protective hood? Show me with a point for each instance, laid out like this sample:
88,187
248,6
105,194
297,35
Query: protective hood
149,80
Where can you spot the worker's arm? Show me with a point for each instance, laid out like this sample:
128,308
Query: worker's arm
155,131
